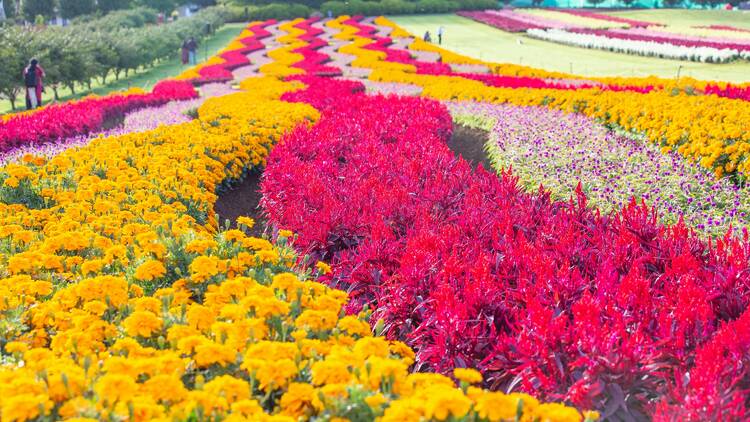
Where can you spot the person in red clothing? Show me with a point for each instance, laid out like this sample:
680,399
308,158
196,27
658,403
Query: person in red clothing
33,77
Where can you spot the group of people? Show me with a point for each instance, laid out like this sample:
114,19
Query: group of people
428,37
189,51
33,77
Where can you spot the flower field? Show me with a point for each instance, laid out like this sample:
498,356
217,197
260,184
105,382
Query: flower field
598,270
581,28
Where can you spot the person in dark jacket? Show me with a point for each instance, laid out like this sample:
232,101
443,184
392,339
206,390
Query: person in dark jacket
33,77
184,52
427,37
192,47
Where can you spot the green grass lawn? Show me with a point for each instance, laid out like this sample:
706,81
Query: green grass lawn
145,79
487,43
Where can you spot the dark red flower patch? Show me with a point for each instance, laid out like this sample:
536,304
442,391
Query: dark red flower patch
605,312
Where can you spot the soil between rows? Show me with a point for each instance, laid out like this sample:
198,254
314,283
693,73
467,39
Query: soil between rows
243,199
468,143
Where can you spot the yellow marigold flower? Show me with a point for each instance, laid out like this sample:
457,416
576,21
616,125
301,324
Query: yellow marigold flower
247,407
112,388
445,402
200,317
298,400
496,407
211,353
228,387
246,221
273,374
204,267
354,326
323,267
404,410
11,182
286,233
591,415
150,270
317,320
165,388
375,401
234,235
330,371
142,323
467,375
555,412
16,347
24,407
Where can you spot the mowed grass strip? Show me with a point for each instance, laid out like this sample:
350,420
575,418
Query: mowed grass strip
487,43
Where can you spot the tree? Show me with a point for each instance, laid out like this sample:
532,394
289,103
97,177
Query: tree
33,8
628,3
596,2
106,6
10,8
12,59
672,3
72,8
165,6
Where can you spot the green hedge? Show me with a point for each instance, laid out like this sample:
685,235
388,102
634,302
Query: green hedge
403,7
359,7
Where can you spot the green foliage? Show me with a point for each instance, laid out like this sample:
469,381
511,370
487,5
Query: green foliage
106,6
164,6
402,7
72,56
69,9
33,8
10,8
279,11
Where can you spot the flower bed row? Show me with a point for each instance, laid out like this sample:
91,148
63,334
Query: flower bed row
574,20
124,300
392,55
557,150
632,23
708,129
81,117
740,46
542,296
661,47
505,20
218,69
314,61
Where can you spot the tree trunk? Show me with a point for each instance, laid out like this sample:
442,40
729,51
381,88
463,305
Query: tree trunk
72,89
12,100
54,91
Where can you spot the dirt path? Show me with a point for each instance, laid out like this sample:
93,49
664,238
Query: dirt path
242,199
469,143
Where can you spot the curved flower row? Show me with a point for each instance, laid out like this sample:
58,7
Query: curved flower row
632,23
573,20
219,67
642,45
509,21
741,46
471,271
81,117
557,150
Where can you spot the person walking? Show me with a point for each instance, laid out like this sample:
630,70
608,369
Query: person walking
184,51
192,47
440,35
33,77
